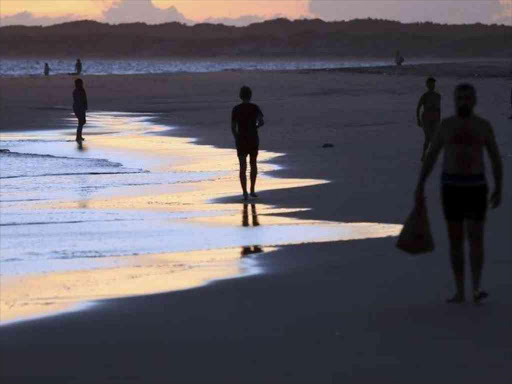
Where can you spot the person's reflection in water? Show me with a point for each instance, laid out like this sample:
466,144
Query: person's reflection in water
245,216
250,250
247,251
80,146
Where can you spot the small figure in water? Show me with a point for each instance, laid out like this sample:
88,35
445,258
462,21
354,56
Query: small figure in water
79,107
46,69
431,116
463,185
246,118
399,59
78,67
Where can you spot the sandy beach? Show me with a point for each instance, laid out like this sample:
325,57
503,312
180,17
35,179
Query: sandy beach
330,312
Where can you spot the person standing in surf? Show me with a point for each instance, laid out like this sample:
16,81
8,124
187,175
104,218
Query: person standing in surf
78,67
80,107
464,186
431,116
246,118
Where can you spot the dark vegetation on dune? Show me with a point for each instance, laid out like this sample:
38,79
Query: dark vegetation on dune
279,37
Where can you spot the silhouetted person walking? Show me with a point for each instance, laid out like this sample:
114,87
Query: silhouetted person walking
80,107
431,116
246,118
463,185
78,67
46,69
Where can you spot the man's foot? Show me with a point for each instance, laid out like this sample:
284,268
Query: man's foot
253,194
246,196
82,138
78,140
478,296
457,299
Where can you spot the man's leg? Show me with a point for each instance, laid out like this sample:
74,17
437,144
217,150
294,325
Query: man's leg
426,143
254,172
456,235
428,128
79,132
242,158
475,230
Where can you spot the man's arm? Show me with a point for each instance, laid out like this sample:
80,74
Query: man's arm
259,120
418,108
497,166
428,163
234,130
86,106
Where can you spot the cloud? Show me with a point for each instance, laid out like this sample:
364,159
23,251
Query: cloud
237,21
27,18
447,11
128,11
243,20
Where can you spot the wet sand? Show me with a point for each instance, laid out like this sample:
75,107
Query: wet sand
357,311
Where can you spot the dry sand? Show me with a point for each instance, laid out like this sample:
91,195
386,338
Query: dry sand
347,312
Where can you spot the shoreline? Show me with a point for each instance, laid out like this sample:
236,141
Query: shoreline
499,67
147,274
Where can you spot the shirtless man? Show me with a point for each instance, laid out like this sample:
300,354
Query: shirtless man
246,118
79,107
431,116
463,185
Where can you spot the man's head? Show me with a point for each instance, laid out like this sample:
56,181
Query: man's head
465,100
79,83
245,93
431,83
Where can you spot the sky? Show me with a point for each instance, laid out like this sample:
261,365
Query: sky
243,12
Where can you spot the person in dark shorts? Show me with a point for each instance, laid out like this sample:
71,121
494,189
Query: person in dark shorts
80,107
464,137
246,118
431,116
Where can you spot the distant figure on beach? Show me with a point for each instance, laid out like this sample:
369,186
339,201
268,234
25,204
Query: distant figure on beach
399,59
431,116
46,69
80,107
463,185
78,67
246,118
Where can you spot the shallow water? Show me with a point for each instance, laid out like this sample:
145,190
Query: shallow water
133,202
25,67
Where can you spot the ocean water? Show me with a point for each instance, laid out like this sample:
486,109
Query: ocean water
34,67
129,191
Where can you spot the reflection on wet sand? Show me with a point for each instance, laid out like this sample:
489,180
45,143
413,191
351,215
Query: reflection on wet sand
245,216
253,249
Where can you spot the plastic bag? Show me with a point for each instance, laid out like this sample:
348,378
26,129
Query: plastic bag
416,237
